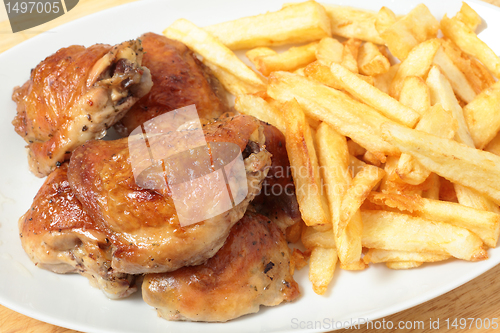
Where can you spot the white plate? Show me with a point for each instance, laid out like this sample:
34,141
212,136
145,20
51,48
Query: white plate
69,301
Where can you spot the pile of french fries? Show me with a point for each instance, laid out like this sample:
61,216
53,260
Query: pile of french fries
392,133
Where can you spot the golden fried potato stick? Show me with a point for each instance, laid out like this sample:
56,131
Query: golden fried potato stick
400,232
362,184
376,256
457,79
297,23
461,34
482,115
469,16
334,160
347,116
467,166
371,61
403,264
418,63
213,52
412,29
321,268
435,121
478,76
375,98
483,223
313,204
442,92
290,60
260,109
351,22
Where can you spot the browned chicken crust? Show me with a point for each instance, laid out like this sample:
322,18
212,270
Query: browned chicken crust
277,199
75,95
251,269
179,78
143,223
59,236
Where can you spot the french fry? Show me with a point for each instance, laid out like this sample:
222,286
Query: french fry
371,61
298,23
418,63
347,116
329,51
290,60
294,232
457,79
311,238
482,116
376,256
473,168
322,74
354,266
392,183
375,159
494,145
321,268
461,34
475,72
370,95
353,23
260,109
298,260
301,152
350,55
334,158
484,224
469,16
434,185
353,45
364,181
394,231
415,94
355,149
416,27
213,51
232,83
403,264
385,18
257,52
435,121
355,165
383,81
441,92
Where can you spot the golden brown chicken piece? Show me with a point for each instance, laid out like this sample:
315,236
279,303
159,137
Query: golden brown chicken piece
251,269
179,78
75,95
143,223
59,236
277,199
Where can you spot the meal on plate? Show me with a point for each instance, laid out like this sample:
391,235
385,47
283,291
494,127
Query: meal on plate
371,139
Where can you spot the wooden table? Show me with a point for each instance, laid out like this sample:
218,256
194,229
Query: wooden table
480,298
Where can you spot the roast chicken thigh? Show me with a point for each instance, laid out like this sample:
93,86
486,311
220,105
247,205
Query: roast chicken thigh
251,269
143,224
179,79
59,236
75,95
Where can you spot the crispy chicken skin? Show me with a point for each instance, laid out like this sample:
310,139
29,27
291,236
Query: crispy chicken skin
143,223
59,236
75,95
179,78
251,269
277,199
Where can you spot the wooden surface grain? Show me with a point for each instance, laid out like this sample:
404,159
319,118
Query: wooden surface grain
479,298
